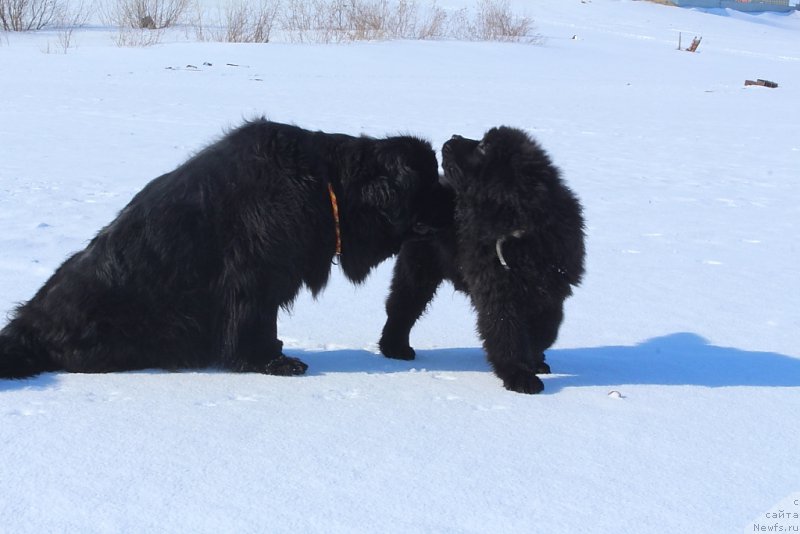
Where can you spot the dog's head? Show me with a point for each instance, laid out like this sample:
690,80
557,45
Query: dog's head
509,183
391,193
407,191
500,158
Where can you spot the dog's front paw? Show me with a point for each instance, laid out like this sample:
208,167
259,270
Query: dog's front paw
522,381
542,368
285,366
396,351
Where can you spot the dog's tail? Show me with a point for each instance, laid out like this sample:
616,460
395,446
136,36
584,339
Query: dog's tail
20,354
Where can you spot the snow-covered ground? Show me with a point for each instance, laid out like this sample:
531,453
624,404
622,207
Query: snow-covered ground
688,310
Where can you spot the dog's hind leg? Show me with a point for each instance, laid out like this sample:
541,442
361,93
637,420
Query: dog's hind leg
508,346
20,354
543,330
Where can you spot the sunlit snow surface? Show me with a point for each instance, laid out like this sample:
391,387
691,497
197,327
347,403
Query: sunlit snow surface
688,310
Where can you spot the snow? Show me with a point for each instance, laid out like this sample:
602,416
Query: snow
673,406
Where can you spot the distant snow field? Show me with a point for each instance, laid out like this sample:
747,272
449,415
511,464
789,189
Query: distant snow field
672,407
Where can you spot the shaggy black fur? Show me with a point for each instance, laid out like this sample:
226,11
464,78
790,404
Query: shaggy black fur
193,270
510,205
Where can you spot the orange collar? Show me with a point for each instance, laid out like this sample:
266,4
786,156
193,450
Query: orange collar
335,207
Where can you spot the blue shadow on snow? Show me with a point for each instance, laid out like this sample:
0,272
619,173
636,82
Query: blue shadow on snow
671,360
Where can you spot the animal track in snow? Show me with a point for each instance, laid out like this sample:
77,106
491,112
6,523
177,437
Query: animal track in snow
444,377
491,408
111,396
243,398
336,395
25,412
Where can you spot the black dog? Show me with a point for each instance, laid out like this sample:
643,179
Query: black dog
193,270
517,247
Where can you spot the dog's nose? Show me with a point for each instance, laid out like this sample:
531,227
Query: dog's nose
456,137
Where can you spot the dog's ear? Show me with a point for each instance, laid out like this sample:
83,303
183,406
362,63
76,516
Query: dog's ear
379,192
486,145
406,167
387,196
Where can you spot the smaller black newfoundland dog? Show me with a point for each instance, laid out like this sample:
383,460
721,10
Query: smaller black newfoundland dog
517,248
193,270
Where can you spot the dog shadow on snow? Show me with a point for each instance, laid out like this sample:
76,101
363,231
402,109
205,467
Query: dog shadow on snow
671,360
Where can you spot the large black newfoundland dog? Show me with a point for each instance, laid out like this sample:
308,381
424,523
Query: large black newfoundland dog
193,270
517,248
